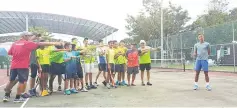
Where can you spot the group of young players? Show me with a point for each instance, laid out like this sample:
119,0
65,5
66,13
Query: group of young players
63,59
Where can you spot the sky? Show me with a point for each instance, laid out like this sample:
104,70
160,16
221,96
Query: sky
110,12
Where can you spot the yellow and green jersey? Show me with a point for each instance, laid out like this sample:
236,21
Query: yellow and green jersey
145,58
120,59
43,55
90,54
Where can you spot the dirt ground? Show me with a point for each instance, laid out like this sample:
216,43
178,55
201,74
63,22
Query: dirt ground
170,89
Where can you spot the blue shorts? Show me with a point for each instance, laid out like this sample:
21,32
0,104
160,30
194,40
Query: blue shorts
201,65
102,67
71,76
71,68
71,71
22,75
119,67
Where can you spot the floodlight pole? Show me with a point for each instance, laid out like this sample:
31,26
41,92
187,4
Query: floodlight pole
161,32
181,45
233,43
27,23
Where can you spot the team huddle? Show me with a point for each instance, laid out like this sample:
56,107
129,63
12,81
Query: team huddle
74,65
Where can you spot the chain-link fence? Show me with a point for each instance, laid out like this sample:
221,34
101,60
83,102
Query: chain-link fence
178,48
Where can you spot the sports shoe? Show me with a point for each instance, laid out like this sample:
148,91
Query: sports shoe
108,86
20,100
59,88
115,86
32,92
208,87
6,98
67,92
195,87
44,93
117,83
88,87
124,83
148,83
95,83
84,89
25,95
143,84
73,90
93,87
104,83
7,91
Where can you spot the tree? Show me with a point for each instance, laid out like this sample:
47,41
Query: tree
233,14
216,14
44,32
146,25
128,41
218,5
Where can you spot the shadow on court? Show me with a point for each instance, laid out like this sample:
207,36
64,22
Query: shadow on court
169,89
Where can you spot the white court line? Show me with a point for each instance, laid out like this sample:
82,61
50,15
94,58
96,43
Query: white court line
3,85
22,106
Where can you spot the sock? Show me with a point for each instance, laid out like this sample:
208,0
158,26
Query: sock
207,84
18,96
90,83
195,83
86,84
7,94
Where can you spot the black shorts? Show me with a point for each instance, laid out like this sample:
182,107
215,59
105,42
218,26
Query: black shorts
102,67
144,67
133,70
34,70
79,70
22,75
57,68
45,68
119,67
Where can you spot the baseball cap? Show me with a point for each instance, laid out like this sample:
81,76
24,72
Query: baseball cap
142,41
25,33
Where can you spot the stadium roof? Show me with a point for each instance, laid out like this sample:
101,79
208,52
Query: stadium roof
12,21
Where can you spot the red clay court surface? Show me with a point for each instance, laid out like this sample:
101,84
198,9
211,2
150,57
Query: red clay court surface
3,77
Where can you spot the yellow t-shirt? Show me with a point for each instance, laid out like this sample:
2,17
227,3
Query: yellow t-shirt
110,53
90,55
125,51
121,59
43,55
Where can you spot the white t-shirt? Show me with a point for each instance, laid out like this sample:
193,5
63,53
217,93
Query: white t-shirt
101,59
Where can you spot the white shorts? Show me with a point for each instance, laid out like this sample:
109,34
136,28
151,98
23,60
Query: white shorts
88,68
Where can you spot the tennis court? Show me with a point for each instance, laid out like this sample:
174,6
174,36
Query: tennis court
170,88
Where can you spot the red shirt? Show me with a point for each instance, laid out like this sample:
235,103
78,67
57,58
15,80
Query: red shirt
20,51
132,57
